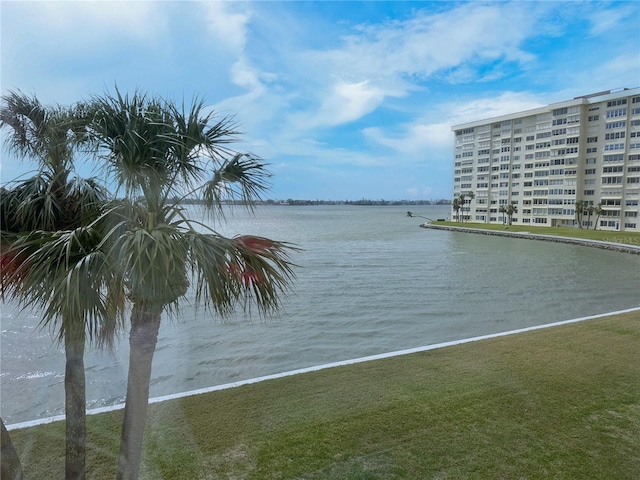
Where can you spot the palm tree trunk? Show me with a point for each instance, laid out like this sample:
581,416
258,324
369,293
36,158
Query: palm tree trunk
75,404
11,468
145,324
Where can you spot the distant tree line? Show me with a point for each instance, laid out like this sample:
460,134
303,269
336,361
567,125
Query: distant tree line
290,201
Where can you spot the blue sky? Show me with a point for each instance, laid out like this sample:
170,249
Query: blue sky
344,100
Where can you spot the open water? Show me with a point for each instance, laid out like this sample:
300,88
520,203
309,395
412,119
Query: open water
370,281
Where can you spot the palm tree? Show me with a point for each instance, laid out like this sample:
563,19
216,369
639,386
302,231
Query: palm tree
456,207
471,196
462,200
503,210
510,210
10,466
590,209
157,151
598,211
48,241
580,206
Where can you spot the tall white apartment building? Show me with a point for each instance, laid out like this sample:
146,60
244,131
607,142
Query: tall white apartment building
585,150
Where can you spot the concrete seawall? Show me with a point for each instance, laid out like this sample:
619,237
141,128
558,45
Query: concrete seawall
618,247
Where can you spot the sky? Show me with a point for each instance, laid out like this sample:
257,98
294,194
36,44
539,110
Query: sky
343,100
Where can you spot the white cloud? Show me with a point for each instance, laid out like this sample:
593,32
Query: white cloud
621,71
494,106
603,22
375,63
424,139
428,43
347,102
394,59
415,141
246,76
227,23
80,21
59,48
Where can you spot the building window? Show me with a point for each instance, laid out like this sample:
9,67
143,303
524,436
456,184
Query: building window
613,125
618,112
611,180
614,146
615,135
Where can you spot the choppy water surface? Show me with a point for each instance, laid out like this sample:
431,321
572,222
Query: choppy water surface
370,281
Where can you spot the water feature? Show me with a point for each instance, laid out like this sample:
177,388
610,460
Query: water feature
370,281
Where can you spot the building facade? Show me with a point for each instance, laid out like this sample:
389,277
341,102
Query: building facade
545,162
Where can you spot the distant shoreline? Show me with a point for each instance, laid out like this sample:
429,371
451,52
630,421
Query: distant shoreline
366,202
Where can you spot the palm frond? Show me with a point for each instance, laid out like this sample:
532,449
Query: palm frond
242,178
159,151
154,264
69,278
228,272
26,118
43,133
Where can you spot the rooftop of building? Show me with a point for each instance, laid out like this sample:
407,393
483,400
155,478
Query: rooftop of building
597,97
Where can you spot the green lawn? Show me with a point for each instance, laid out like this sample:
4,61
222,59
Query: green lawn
558,403
627,238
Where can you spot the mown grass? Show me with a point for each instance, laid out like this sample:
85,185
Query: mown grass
626,238
561,403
